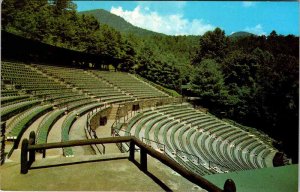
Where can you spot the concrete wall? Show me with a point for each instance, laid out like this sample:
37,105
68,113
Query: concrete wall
95,118
124,108
143,104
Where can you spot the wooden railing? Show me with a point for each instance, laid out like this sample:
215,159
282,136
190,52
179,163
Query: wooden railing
29,146
2,143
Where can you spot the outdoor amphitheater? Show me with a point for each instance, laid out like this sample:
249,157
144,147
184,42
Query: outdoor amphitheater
67,128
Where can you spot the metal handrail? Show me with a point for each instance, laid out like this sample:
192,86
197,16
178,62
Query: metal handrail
190,156
157,143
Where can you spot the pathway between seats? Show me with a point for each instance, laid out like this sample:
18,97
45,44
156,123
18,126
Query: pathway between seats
105,131
55,136
77,132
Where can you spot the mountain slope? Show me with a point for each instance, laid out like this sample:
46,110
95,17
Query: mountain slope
117,22
241,34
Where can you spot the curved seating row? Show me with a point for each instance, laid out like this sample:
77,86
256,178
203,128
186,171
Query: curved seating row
8,100
9,110
46,125
86,82
20,123
129,84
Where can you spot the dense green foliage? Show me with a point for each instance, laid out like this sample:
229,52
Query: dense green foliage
208,82
213,45
118,23
251,79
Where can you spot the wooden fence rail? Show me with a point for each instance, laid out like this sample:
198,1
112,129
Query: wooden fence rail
29,146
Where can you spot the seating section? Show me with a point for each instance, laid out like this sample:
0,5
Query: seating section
24,77
86,82
12,99
21,121
130,84
19,106
28,91
46,125
201,142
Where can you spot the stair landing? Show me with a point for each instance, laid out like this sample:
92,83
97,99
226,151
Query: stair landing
112,172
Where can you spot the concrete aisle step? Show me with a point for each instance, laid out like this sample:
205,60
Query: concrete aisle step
55,136
105,131
77,132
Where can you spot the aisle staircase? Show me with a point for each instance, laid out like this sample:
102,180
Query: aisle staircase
113,113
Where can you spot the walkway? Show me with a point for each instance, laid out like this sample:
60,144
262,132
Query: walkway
77,131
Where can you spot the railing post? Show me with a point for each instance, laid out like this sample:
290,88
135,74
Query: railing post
2,152
24,158
44,153
103,149
229,186
131,150
143,159
31,142
121,144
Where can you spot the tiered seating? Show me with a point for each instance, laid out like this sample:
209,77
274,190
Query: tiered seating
86,82
200,141
11,99
130,84
9,110
19,124
46,125
29,91
41,88
52,92
26,78
31,94
7,93
197,140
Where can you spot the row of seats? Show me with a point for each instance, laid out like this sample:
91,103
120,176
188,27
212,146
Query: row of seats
46,125
24,76
18,125
130,84
86,82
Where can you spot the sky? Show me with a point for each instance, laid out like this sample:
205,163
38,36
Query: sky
197,17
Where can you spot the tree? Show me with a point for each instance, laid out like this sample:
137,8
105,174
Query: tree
212,45
240,76
128,56
208,82
62,5
240,68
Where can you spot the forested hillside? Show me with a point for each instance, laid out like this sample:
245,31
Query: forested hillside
251,79
241,34
117,22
